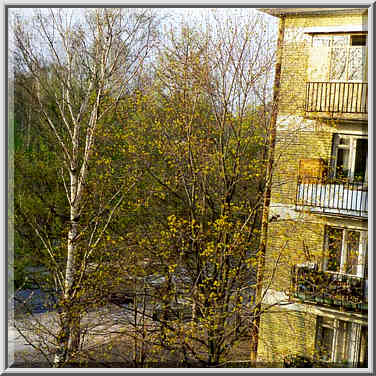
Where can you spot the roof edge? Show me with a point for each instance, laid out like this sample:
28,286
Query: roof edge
280,12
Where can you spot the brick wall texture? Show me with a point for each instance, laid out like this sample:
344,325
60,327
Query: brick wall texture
287,332
295,56
292,146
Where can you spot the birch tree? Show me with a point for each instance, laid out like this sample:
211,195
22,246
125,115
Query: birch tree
82,66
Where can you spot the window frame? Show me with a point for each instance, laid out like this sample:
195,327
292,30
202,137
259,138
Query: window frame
348,46
352,154
362,252
347,341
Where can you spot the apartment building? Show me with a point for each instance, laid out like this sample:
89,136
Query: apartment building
316,273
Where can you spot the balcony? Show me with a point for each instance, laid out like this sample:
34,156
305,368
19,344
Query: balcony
310,285
332,197
337,99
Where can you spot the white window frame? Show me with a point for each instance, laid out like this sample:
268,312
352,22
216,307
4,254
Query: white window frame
352,334
362,252
352,153
329,37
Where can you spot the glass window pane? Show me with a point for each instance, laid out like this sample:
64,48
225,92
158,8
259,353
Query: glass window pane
321,40
356,62
340,40
358,40
326,343
361,153
335,248
363,356
352,243
343,336
342,168
366,260
338,64
344,141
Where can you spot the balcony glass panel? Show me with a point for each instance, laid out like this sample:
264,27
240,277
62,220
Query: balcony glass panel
356,62
338,64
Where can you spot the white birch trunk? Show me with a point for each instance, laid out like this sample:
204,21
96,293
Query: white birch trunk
73,67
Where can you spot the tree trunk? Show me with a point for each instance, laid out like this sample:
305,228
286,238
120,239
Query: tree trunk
61,353
213,358
74,334
69,336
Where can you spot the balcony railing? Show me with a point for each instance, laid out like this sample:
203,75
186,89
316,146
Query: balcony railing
337,97
331,289
332,197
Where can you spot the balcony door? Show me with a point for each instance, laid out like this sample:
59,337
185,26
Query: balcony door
346,251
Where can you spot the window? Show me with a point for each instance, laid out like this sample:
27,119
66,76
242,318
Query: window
363,353
350,158
346,251
347,55
339,341
358,40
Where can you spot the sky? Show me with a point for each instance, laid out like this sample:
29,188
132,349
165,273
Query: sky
191,15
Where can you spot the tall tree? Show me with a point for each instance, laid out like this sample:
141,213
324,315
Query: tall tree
81,70
206,124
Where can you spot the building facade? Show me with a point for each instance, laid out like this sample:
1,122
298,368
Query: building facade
316,275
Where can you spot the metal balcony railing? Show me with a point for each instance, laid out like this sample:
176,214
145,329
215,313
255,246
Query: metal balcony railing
326,288
347,198
337,97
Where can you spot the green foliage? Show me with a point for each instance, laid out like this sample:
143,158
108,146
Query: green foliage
170,208
200,208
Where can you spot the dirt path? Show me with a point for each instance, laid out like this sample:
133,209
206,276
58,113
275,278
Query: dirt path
39,332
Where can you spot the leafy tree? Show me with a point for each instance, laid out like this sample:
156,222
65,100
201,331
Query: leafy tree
75,67
204,154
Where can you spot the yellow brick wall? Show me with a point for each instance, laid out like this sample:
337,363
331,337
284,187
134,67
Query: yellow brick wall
295,56
290,148
293,22
288,242
286,333
293,77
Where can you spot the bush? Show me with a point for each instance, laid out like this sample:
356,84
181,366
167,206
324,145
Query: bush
297,361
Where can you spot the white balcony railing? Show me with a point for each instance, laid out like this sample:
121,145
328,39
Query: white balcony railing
349,199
